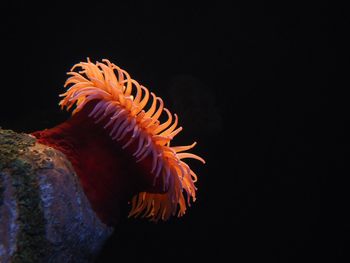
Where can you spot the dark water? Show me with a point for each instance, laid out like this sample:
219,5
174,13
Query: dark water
259,86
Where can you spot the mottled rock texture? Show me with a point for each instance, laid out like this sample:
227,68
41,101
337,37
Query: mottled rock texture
44,213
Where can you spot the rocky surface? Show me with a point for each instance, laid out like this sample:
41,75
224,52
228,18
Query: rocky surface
44,213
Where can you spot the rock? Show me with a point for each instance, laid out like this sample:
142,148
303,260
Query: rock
44,213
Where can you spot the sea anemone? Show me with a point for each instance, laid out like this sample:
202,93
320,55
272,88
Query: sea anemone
118,146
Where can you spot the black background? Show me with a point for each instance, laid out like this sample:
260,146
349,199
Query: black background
260,86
